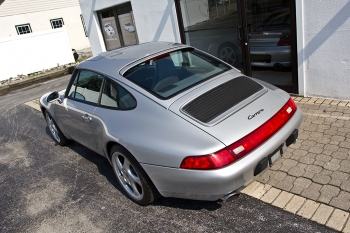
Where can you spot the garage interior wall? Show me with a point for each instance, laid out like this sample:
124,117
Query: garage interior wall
154,21
323,48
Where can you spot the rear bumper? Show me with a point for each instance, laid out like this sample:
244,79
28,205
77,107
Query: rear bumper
269,56
214,184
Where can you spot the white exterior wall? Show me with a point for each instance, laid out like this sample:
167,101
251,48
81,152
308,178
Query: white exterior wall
154,20
38,15
29,53
323,29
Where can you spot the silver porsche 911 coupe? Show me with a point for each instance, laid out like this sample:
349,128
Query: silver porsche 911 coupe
173,121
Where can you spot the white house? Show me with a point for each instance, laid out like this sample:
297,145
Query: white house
300,46
39,35
18,17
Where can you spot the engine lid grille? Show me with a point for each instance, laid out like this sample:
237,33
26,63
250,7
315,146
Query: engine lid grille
217,101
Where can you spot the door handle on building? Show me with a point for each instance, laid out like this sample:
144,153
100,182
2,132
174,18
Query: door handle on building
238,29
87,118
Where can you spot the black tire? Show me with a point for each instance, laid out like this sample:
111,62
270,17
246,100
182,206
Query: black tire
131,177
228,52
55,130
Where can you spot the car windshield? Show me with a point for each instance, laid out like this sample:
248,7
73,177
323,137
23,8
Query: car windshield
277,21
171,73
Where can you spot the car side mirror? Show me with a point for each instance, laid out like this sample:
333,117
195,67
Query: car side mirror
54,95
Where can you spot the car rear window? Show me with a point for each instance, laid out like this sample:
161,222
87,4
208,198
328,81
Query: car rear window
171,73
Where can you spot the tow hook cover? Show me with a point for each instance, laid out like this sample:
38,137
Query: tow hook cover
292,138
262,165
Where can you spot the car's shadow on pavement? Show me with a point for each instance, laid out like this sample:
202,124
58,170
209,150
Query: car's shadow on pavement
187,204
101,162
106,170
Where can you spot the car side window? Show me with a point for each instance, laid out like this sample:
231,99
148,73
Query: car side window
86,86
114,95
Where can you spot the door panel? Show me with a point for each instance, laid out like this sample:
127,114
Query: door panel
80,122
76,112
269,28
211,26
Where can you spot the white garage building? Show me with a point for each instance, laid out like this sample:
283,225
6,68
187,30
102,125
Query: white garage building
315,36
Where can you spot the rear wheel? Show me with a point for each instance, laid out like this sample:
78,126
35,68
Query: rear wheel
55,131
228,53
132,178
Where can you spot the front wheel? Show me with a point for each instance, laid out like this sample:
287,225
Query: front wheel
132,178
55,131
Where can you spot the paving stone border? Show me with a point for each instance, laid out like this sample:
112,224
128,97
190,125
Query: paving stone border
33,104
318,165
312,179
318,212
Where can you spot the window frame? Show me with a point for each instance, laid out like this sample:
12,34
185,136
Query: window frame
116,108
52,20
23,25
98,104
131,69
71,82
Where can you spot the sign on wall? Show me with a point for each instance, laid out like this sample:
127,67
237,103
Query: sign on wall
128,29
110,33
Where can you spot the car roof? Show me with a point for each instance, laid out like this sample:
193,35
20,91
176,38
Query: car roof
112,61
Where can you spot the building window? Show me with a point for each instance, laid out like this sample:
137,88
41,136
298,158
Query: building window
56,23
23,29
83,22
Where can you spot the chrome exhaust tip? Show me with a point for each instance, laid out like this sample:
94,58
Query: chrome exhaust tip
278,66
230,197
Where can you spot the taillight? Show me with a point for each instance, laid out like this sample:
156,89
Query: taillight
264,132
243,146
284,42
213,161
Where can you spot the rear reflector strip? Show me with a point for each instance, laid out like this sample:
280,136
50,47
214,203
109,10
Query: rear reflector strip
245,145
265,131
238,149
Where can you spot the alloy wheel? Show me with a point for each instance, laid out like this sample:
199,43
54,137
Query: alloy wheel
53,128
228,55
127,176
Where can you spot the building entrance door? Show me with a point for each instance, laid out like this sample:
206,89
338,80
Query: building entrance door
255,36
118,26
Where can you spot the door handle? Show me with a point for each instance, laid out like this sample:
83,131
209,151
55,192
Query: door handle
87,118
238,30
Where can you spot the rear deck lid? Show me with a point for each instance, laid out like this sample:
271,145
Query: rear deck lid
230,107
212,106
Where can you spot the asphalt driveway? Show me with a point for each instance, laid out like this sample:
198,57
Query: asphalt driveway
48,188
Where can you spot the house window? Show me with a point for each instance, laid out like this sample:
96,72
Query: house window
83,22
56,23
23,29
